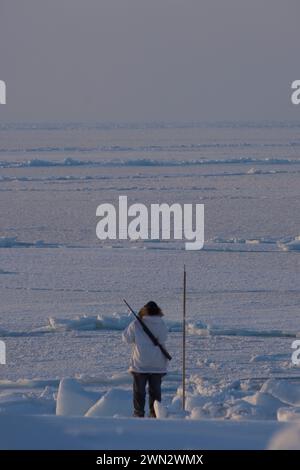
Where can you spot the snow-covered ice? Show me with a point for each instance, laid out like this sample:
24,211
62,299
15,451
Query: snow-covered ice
61,289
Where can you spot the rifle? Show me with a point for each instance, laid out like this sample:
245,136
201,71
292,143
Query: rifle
149,333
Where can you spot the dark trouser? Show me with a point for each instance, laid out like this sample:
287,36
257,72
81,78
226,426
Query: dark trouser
139,392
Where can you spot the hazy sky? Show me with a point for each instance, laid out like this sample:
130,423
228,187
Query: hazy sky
145,60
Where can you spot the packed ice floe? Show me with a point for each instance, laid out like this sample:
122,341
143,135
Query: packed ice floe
69,161
261,413
274,399
230,244
116,321
119,321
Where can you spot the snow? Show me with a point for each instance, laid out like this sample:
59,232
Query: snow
28,383
287,439
20,403
48,432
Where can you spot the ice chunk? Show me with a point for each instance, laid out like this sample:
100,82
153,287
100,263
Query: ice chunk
292,245
194,401
284,390
264,405
72,399
116,402
161,411
288,414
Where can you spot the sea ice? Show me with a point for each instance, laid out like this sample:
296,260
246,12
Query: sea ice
116,402
72,399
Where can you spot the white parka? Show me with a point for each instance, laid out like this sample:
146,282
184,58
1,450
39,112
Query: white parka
146,358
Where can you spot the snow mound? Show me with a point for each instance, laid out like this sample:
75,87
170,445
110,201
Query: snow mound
72,399
284,390
288,414
288,439
115,403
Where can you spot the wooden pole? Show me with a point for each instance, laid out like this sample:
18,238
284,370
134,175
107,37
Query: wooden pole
183,338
